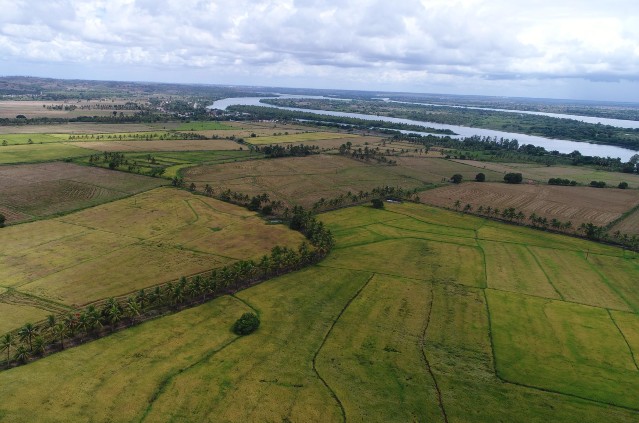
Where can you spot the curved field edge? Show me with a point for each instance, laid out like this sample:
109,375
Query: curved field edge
366,340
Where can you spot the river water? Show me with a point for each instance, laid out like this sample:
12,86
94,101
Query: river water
563,146
619,123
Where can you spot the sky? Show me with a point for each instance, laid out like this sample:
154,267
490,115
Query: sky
532,48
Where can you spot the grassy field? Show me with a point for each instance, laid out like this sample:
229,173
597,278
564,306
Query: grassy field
123,246
407,324
581,174
203,126
304,180
295,138
157,145
39,190
173,162
34,153
87,128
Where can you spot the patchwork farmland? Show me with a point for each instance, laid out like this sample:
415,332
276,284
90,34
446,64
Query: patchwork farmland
448,335
121,247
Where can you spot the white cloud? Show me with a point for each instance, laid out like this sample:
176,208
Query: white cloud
407,43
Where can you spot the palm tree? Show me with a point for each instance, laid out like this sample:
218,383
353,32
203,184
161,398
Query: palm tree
133,308
22,354
5,344
39,345
60,331
28,331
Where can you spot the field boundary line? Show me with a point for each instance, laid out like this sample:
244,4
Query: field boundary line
632,354
545,274
483,255
611,286
422,345
539,388
167,380
490,336
314,361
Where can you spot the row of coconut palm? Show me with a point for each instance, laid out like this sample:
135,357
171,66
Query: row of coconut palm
57,332
35,340
588,230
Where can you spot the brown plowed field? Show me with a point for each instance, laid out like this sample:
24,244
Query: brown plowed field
575,204
32,191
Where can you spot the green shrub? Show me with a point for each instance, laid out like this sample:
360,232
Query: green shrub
248,323
377,203
513,178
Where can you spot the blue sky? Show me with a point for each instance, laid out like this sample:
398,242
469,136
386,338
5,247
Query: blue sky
537,48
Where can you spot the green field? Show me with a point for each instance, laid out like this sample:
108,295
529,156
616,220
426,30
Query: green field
305,136
203,126
174,162
15,139
419,314
34,153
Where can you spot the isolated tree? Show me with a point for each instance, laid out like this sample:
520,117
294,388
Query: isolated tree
248,323
513,178
622,185
2,220
377,203
480,177
456,178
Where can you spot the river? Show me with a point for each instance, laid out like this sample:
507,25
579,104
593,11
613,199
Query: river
563,146
619,123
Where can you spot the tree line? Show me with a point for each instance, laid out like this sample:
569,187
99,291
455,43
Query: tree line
588,230
33,341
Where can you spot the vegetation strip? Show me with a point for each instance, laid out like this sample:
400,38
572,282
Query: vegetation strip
165,382
632,354
333,394
422,345
545,273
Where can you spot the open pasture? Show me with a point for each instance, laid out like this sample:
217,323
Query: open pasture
157,145
172,162
87,128
39,190
34,153
203,126
390,327
304,136
535,339
123,246
575,204
541,173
